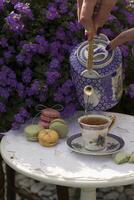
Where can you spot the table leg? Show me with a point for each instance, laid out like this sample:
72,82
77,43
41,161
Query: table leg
10,183
2,179
88,194
62,192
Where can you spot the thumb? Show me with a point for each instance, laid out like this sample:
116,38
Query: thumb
123,37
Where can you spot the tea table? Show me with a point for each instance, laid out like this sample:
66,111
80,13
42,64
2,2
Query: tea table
61,166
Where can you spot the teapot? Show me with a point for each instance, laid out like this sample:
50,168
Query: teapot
102,88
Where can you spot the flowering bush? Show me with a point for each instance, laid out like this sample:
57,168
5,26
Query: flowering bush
36,39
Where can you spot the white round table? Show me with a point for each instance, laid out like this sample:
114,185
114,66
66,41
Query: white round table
58,165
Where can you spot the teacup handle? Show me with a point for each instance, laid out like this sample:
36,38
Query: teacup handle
113,118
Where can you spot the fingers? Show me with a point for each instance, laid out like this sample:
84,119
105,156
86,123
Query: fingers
123,37
103,13
86,14
79,6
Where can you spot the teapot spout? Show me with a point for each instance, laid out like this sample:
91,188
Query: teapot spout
91,96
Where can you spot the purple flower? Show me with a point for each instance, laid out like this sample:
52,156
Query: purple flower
2,108
4,93
111,18
22,42
69,110
67,48
21,90
14,22
58,96
115,8
130,17
7,54
54,64
52,77
63,7
65,92
34,89
1,61
40,39
60,34
68,99
28,59
4,42
23,8
2,4
30,48
27,75
20,58
41,49
52,12
131,90
108,32
67,87
42,44
7,77
72,26
20,118
14,1
15,126
125,50
55,48
71,14
24,113
61,57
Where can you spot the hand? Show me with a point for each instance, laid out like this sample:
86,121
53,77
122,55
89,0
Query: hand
123,37
86,16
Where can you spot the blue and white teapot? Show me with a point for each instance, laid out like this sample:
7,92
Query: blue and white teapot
104,83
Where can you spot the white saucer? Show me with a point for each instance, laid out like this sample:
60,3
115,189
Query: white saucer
114,144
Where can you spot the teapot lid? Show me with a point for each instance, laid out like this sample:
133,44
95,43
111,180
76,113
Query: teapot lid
101,57
104,62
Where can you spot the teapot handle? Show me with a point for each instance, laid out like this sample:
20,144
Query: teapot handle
104,37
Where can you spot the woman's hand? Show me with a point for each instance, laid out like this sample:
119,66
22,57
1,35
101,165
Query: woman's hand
123,37
86,9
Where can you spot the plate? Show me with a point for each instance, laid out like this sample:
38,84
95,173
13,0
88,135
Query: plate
114,145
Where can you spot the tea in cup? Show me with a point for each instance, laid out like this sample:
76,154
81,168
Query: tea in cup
94,129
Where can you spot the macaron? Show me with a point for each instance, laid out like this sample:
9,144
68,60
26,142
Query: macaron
31,131
51,113
131,159
48,115
121,158
46,119
60,126
48,137
44,124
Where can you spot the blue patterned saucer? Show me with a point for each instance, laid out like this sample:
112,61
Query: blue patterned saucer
114,144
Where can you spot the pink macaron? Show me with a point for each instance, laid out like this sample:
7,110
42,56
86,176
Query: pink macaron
44,118
51,113
43,124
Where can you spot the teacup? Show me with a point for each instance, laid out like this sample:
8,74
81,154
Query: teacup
94,129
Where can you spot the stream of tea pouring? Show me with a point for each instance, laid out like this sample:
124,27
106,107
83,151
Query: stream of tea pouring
91,98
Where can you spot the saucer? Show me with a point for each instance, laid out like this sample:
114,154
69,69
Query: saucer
114,144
